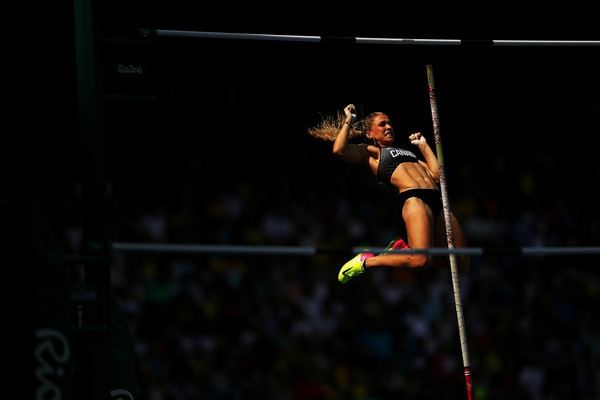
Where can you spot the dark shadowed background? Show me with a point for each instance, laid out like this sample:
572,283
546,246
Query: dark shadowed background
205,141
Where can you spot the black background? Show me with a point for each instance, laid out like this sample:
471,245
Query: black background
203,106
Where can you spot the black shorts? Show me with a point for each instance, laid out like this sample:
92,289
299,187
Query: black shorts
431,197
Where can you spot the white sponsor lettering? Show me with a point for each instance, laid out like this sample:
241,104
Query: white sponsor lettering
131,69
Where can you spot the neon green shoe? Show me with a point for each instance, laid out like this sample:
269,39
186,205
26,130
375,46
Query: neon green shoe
354,267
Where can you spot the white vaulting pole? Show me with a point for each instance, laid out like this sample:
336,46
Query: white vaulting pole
449,233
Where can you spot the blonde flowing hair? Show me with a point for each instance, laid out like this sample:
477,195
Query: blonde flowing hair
330,126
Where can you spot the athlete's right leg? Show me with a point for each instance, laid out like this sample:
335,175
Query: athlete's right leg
419,222
464,261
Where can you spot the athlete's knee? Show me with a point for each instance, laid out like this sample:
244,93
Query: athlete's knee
419,261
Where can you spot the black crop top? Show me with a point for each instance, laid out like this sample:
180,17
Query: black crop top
389,159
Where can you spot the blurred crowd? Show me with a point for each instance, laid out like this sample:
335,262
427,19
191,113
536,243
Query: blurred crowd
282,327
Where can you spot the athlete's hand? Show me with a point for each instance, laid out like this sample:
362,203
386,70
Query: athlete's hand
417,139
350,112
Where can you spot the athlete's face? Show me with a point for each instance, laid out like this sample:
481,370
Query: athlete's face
381,131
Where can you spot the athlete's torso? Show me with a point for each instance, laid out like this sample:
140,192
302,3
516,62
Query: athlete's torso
400,169
389,159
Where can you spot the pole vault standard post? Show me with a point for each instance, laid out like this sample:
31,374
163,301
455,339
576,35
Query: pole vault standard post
449,233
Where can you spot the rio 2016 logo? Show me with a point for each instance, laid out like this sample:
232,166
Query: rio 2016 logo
52,355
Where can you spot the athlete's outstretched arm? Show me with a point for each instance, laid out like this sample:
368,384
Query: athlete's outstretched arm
352,153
